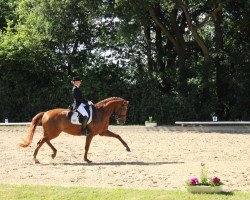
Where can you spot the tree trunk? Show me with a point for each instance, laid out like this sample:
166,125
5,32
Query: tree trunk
177,41
159,50
181,52
149,46
205,71
221,85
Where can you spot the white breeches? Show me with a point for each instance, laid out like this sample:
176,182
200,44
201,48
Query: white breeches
82,110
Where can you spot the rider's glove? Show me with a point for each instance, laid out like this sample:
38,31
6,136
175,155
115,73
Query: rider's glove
90,103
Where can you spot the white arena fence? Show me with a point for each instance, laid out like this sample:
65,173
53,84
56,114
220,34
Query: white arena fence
15,124
199,127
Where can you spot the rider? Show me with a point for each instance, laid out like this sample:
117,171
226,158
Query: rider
80,102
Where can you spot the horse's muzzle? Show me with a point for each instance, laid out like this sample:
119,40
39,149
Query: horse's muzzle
120,119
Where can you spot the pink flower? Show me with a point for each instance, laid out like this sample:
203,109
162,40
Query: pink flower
215,180
193,181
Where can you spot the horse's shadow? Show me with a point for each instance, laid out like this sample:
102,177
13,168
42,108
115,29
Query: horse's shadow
122,163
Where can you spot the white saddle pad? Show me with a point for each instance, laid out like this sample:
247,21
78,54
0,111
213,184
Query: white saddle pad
75,117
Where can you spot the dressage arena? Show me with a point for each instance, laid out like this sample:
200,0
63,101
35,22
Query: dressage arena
160,158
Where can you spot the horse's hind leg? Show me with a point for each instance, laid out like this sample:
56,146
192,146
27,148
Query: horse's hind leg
111,134
53,149
39,144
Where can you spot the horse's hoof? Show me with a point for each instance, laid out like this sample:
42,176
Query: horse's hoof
88,161
128,149
36,161
53,156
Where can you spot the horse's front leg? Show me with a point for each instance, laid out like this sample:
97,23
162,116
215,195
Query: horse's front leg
87,144
111,134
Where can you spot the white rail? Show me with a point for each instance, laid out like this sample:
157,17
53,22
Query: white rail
214,123
15,124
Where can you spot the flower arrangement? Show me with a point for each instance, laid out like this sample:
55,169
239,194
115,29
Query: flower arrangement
204,180
150,120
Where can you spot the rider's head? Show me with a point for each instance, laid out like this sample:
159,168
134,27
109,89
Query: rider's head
76,81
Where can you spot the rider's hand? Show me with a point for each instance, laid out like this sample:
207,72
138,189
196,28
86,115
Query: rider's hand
90,103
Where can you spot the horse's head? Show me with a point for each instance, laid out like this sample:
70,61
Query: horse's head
121,111
114,105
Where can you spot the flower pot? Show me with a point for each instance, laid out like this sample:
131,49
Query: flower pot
204,189
150,124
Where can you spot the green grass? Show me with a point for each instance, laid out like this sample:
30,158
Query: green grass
70,193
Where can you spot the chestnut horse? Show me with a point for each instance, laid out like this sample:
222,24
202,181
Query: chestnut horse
55,121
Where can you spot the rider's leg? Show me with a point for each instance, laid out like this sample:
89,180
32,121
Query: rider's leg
82,110
85,115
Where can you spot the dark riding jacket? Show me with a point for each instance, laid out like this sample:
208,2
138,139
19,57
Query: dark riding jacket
78,97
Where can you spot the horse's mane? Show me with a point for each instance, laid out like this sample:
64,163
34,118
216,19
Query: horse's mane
105,101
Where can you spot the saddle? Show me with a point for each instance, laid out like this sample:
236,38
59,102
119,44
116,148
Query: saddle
76,118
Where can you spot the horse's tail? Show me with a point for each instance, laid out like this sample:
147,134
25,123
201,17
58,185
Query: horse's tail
34,123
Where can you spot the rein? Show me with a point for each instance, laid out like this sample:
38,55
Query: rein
120,115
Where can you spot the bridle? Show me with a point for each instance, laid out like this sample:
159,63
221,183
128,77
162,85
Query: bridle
120,114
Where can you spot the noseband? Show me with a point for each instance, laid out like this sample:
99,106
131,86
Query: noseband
117,117
120,115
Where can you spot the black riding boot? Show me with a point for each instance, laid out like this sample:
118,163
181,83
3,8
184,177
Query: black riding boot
84,126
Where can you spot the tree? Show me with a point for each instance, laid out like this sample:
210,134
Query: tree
174,60
7,13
